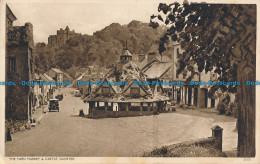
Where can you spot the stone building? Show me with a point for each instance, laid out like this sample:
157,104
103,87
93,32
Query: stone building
47,90
10,18
61,37
163,68
192,95
19,67
56,74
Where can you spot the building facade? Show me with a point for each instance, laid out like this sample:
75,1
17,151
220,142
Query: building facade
163,68
19,67
191,95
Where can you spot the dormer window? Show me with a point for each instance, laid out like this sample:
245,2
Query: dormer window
135,91
105,90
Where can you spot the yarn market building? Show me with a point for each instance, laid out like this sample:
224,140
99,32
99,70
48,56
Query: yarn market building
125,100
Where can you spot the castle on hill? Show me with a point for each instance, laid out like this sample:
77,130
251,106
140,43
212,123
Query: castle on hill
61,37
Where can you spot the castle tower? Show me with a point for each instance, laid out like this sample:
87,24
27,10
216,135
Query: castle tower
126,55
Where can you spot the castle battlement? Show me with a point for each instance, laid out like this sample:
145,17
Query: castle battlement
61,37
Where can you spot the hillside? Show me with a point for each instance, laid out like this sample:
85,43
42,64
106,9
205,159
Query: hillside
102,48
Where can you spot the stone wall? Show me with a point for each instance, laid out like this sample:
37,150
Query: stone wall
114,114
19,67
205,147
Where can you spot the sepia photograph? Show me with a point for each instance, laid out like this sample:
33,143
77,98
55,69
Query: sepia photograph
159,81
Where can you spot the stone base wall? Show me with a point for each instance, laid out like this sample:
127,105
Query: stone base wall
114,114
17,125
205,142
205,147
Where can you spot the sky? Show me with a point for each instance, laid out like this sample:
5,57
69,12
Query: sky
84,17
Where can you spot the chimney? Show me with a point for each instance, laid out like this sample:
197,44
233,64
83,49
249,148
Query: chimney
141,57
151,56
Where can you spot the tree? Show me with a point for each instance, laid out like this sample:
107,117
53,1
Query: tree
219,38
103,48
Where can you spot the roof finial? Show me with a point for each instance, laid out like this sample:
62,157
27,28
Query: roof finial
126,44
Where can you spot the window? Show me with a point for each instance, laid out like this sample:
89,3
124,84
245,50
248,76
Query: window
135,91
12,64
105,90
158,89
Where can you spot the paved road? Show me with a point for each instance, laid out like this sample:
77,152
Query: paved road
65,134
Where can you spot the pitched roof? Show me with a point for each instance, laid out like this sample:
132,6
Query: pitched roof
67,75
163,58
43,78
143,87
143,63
47,78
116,88
56,70
157,69
122,72
79,77
126,53
127,72
12,14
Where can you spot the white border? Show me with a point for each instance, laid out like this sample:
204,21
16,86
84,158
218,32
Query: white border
121,160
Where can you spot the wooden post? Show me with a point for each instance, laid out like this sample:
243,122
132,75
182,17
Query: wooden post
155,108
185,95
106,104
127,107
192,95
181,94
118,104
91,107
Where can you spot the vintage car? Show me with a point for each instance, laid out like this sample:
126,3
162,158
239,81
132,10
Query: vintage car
59,97
54,105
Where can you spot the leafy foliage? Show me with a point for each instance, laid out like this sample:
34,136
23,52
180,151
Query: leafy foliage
211,36
103,48
219,38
